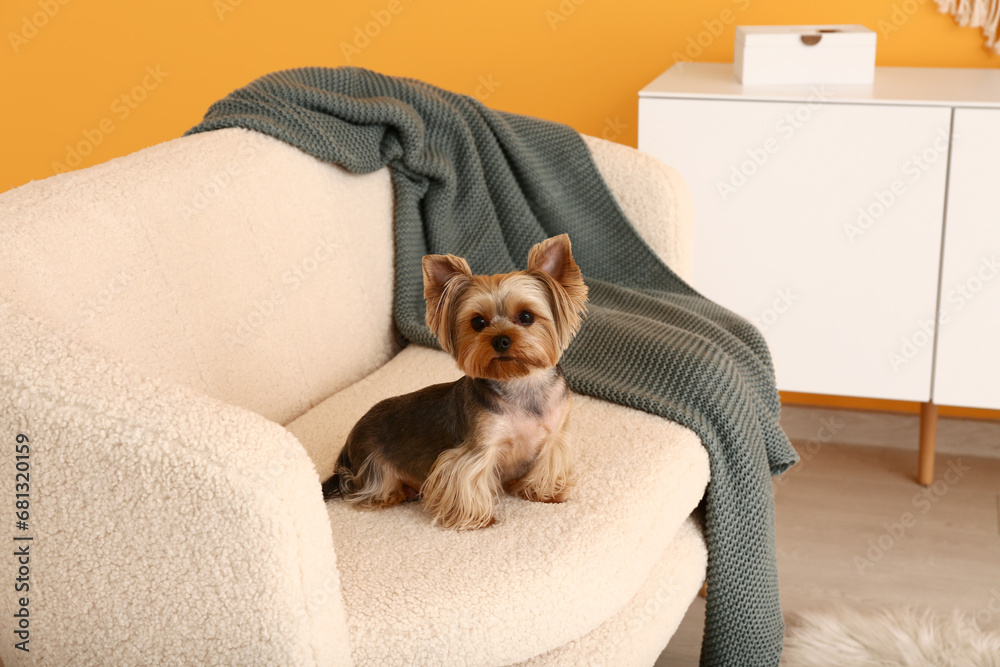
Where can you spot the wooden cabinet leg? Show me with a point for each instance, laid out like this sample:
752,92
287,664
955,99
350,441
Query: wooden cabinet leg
928,439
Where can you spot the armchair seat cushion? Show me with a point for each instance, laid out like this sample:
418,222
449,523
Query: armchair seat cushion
634,636
544,574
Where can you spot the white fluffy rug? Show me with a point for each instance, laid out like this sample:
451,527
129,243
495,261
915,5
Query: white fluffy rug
844,635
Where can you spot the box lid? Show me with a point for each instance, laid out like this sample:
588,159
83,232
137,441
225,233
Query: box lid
788,35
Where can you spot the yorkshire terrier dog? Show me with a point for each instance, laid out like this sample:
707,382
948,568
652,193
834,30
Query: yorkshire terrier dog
501,427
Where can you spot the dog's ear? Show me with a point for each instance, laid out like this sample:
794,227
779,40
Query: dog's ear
554,256
552,262
443,276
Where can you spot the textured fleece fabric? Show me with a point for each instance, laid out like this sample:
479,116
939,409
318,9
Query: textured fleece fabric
544,574
634,636
185,260
487,186
170,527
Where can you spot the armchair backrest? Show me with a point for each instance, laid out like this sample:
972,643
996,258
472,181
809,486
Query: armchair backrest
227,261
239,266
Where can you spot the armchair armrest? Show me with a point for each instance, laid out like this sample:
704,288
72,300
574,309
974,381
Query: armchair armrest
166,527
654,198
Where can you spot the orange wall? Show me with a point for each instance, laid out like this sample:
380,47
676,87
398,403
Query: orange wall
108,78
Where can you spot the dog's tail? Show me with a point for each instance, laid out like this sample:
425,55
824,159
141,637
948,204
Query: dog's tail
332,487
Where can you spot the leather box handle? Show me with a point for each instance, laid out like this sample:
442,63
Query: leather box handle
811,40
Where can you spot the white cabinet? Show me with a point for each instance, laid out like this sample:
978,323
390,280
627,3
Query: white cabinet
857,225
968,351
816,225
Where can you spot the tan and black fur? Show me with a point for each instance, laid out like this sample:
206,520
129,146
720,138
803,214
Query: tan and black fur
502,427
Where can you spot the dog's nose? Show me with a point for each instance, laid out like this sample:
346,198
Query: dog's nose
501,343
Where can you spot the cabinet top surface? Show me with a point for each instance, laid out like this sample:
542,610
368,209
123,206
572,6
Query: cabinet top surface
892,85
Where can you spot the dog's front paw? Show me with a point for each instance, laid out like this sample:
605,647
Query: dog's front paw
460,491
554,491
463,521
535,497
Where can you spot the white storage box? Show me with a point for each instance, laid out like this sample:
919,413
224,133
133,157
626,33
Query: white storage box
796,54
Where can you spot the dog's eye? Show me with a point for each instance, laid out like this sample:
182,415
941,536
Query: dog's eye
525,317
478,323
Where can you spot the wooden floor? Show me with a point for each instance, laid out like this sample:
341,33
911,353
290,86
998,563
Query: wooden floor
853,525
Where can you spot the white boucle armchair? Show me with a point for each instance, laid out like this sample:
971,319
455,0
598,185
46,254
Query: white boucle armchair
187,334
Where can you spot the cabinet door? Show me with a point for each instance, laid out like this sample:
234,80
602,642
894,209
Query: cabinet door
821,223
968,357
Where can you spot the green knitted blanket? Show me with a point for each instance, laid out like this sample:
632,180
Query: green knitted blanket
487,185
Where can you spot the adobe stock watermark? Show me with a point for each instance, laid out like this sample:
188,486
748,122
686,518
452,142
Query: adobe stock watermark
290,280
783,301
323,595
209,190
562,12
985,615
696,44
32,24
913,168
901,13
485,87
665,594
828,429
224,7
364,34
922,502
90,308
953,301
613,128
785,128
121,108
